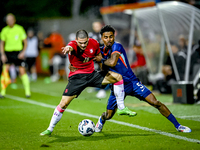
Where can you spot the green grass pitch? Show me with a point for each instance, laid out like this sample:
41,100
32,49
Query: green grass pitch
22,120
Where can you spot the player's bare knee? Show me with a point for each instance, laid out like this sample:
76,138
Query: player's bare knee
116,76
157,104
63,104
119,77
65,101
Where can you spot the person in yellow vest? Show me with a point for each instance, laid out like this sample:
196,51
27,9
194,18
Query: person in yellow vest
13,46
1,64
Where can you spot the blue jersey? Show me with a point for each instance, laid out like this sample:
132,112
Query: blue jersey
132,85
122,67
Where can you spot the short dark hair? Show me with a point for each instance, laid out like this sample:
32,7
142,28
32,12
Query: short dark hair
107,28
81,34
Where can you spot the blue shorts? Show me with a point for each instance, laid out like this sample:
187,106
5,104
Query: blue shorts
132,88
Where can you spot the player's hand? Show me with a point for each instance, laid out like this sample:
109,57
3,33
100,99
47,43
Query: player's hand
3,58
67,49
98,58
72,68
21,55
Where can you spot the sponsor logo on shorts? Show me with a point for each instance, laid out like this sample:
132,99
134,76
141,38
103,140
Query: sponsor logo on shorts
66,90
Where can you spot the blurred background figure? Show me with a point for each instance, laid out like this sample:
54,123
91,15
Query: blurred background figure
96,27
56,41
31,54
95,34
40,37
137,60
181,56
163,85
140,59
13,71
13,46
1,64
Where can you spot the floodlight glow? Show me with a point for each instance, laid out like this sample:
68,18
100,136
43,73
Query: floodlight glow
175,3
128,11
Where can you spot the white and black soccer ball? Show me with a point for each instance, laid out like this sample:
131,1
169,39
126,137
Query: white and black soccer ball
86,127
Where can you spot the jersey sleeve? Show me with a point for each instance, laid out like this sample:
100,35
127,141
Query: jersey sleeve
72,44
117,49
3,38
98,50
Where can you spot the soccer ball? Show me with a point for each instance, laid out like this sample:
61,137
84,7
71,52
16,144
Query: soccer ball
86,127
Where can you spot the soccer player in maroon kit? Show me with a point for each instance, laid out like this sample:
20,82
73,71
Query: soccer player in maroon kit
81,53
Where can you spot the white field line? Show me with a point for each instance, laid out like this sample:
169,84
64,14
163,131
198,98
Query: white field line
46,92
114,121
194,117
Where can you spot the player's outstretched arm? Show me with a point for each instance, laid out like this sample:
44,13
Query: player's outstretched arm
67,49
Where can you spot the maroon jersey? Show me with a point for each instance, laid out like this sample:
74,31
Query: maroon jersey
83,59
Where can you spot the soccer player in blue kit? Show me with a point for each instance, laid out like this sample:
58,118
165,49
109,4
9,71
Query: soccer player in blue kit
115,59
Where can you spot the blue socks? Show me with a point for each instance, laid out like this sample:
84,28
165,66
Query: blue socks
173,120
101,121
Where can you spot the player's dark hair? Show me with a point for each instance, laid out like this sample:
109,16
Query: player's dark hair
81,34
107,28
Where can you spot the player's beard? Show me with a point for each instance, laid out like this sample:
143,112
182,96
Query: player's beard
109,44
108,47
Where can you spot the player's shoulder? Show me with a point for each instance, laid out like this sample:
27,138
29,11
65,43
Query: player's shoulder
72,42
5,28
117,44
18,26
93,41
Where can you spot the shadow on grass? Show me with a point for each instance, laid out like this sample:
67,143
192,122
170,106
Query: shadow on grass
94,137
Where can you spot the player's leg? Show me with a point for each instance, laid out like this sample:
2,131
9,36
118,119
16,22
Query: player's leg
13,76
165,112
22,71
33,73
119,92
118,88
75,86
31,68
111,109
57,114
102,119
25,80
